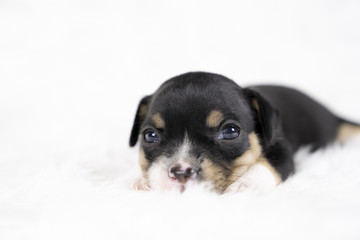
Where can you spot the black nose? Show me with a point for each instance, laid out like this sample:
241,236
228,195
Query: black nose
181,174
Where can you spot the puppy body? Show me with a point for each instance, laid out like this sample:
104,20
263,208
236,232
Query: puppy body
202,127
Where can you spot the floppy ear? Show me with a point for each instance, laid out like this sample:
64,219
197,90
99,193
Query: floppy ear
267,116
139,119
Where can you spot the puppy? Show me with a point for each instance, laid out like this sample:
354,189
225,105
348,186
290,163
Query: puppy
203,127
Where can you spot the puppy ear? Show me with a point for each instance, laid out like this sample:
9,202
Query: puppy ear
267,116
139,119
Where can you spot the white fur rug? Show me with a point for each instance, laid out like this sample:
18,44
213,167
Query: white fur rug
76,200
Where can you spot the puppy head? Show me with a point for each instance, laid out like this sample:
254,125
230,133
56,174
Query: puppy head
199,127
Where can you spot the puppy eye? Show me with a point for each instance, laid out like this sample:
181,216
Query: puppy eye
229,132
151,136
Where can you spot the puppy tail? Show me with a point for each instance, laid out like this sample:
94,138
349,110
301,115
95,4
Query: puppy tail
347,130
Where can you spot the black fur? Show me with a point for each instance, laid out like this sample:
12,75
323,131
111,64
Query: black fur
303,120
139,118
284,120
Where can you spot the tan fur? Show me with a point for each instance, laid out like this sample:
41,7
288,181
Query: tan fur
255,104
222,177
248,158
143,110
214,119
215,174
142,183
158,121
346,131
251,157
143,163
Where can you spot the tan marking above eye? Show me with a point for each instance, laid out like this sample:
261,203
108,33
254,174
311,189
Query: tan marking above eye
214,118
158,121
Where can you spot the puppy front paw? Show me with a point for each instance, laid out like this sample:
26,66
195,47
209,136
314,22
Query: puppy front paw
141,184
259,179
240,185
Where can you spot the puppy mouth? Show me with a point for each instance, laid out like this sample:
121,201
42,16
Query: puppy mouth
183,186
178,185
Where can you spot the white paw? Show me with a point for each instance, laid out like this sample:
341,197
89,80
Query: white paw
241,185
141,184
258,179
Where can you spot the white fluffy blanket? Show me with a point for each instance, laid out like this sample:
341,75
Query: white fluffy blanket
77,200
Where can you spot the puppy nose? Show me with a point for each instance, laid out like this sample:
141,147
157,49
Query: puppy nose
182,174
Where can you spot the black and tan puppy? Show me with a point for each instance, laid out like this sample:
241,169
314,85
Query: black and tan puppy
203,127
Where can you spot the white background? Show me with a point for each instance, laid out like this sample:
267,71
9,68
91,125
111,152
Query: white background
73,72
